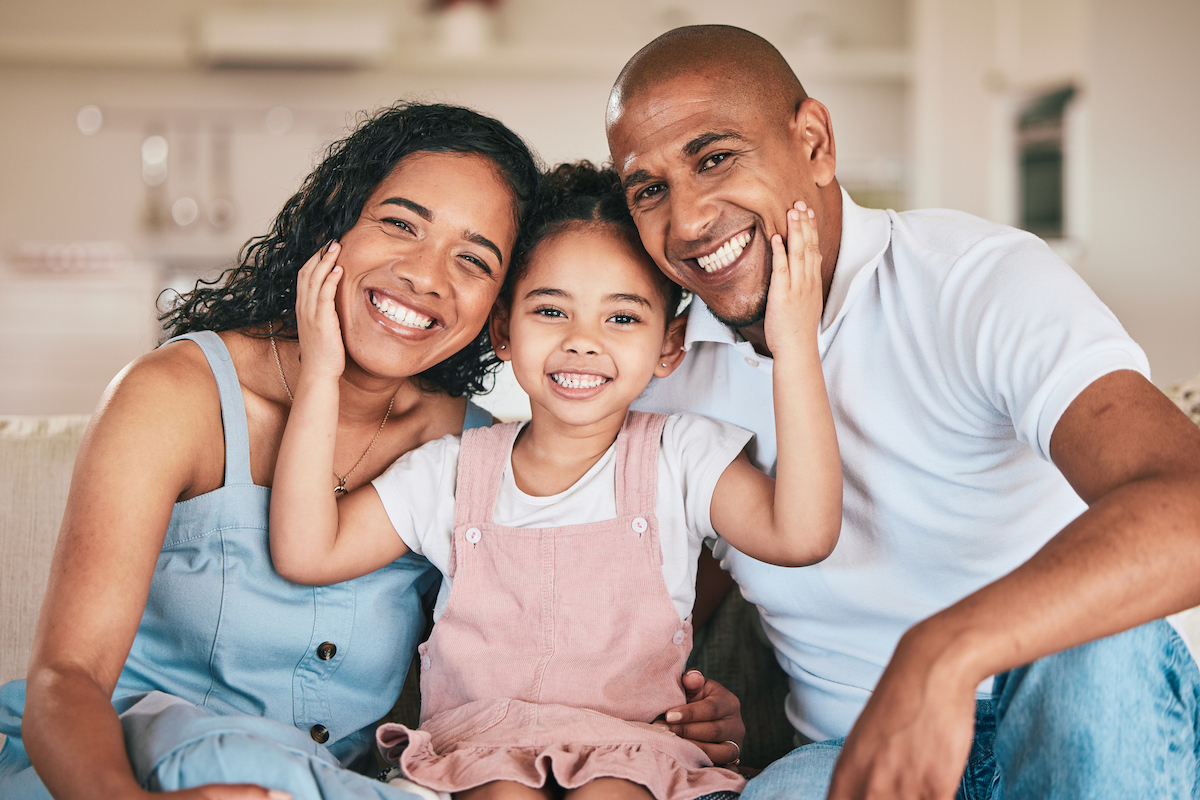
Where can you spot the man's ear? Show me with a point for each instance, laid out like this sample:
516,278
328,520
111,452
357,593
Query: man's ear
812,130
498,330
672,349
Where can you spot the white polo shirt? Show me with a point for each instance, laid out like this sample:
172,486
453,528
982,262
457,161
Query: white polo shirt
950,346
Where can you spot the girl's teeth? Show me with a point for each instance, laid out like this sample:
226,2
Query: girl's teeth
571,380
726,254
401,315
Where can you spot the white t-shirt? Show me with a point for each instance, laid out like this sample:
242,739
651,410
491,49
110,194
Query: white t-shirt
418,495
950,346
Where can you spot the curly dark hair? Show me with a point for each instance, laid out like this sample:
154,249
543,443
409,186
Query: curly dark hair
261,287
574,196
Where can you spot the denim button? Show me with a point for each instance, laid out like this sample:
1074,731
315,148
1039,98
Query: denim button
473,535
639,525
319,733
326,650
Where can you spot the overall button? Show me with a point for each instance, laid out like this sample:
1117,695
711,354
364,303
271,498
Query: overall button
678,637
473,535
639,525
425,662
319,733
326,650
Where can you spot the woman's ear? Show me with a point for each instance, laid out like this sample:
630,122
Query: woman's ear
672,349
498,330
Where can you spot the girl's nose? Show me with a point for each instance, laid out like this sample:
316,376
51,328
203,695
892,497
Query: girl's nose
582,339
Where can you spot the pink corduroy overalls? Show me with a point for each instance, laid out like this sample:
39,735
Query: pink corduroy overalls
558,646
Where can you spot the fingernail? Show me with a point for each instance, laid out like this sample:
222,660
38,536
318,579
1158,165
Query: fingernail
811,214
696,671
658,724
336,268
674,716
793,214
777,239
277,794
800,205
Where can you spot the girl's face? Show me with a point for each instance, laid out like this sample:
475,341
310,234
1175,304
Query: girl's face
587,327
424,262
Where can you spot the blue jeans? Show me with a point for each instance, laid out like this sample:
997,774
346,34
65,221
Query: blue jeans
1117,718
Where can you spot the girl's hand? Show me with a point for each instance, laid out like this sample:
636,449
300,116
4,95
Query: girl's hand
794,301
321,347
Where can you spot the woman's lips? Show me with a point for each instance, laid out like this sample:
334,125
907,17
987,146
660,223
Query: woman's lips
401,314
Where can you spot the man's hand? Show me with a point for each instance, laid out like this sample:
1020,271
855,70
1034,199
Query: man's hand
914,734
712,719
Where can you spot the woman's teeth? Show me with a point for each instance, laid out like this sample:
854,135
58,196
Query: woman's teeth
401,315
571,380
726,254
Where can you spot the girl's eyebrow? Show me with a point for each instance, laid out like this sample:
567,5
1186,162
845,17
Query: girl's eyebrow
546,291
616,297
629,298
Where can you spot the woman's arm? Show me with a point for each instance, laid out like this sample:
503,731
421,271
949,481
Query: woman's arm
315,539
157,425
795,520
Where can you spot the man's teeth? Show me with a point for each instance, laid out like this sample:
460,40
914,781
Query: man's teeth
726,254
401,315
572,380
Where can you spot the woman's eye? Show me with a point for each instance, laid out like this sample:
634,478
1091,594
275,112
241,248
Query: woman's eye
478,262
713,161
398,223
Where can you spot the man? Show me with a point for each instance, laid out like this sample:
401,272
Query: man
1014,485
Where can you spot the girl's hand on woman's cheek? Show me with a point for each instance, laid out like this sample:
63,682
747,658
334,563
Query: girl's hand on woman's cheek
323,352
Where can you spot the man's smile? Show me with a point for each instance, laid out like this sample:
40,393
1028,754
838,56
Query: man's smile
727,253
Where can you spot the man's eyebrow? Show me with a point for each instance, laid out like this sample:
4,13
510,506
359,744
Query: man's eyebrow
636,178
693,148
418,209
629,298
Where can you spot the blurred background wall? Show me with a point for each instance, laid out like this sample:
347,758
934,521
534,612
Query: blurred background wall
142,142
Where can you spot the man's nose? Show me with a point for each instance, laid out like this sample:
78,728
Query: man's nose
692,212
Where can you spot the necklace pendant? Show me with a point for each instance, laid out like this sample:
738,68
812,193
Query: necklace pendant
340,489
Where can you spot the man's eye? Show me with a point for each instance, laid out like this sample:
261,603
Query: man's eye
650,191
713,161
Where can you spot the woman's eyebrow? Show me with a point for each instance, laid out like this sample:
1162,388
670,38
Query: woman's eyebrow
428,215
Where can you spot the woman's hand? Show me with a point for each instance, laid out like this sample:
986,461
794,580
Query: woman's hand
712,719
794,298
322,351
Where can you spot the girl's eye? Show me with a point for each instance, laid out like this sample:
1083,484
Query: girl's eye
548,311
714,160
624,319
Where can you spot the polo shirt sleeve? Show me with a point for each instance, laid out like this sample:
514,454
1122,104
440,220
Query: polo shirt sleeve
1029,333
417,492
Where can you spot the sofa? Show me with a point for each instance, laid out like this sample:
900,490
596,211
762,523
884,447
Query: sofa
36,458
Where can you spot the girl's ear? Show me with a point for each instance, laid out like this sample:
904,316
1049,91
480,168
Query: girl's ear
672,349
498,330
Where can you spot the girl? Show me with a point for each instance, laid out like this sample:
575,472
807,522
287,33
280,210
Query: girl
568,545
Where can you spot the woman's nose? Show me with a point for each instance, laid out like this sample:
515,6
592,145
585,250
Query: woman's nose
425,269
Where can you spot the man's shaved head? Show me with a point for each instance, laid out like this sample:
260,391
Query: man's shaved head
747,65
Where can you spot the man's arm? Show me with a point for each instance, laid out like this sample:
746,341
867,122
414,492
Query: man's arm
1132,557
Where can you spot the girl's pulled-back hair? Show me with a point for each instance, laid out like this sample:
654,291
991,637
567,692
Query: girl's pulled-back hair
576,196
261,288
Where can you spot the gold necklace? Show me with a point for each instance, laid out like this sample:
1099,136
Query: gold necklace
340,489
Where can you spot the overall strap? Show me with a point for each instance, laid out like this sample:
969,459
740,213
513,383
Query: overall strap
233,409
481,462
638,444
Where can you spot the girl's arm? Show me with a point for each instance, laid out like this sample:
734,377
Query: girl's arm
794,520
156,427
315,538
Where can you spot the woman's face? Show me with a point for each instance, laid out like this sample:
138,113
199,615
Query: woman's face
424,262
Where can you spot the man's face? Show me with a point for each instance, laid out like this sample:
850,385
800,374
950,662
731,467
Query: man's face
709,178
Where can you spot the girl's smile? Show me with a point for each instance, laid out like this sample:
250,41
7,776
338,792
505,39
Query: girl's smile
587,327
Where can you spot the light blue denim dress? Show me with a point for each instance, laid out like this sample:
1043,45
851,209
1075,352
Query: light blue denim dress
237,674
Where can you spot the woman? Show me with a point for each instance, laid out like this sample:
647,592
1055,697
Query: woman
169,656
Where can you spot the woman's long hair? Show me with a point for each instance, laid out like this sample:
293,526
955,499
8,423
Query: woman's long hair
261,288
